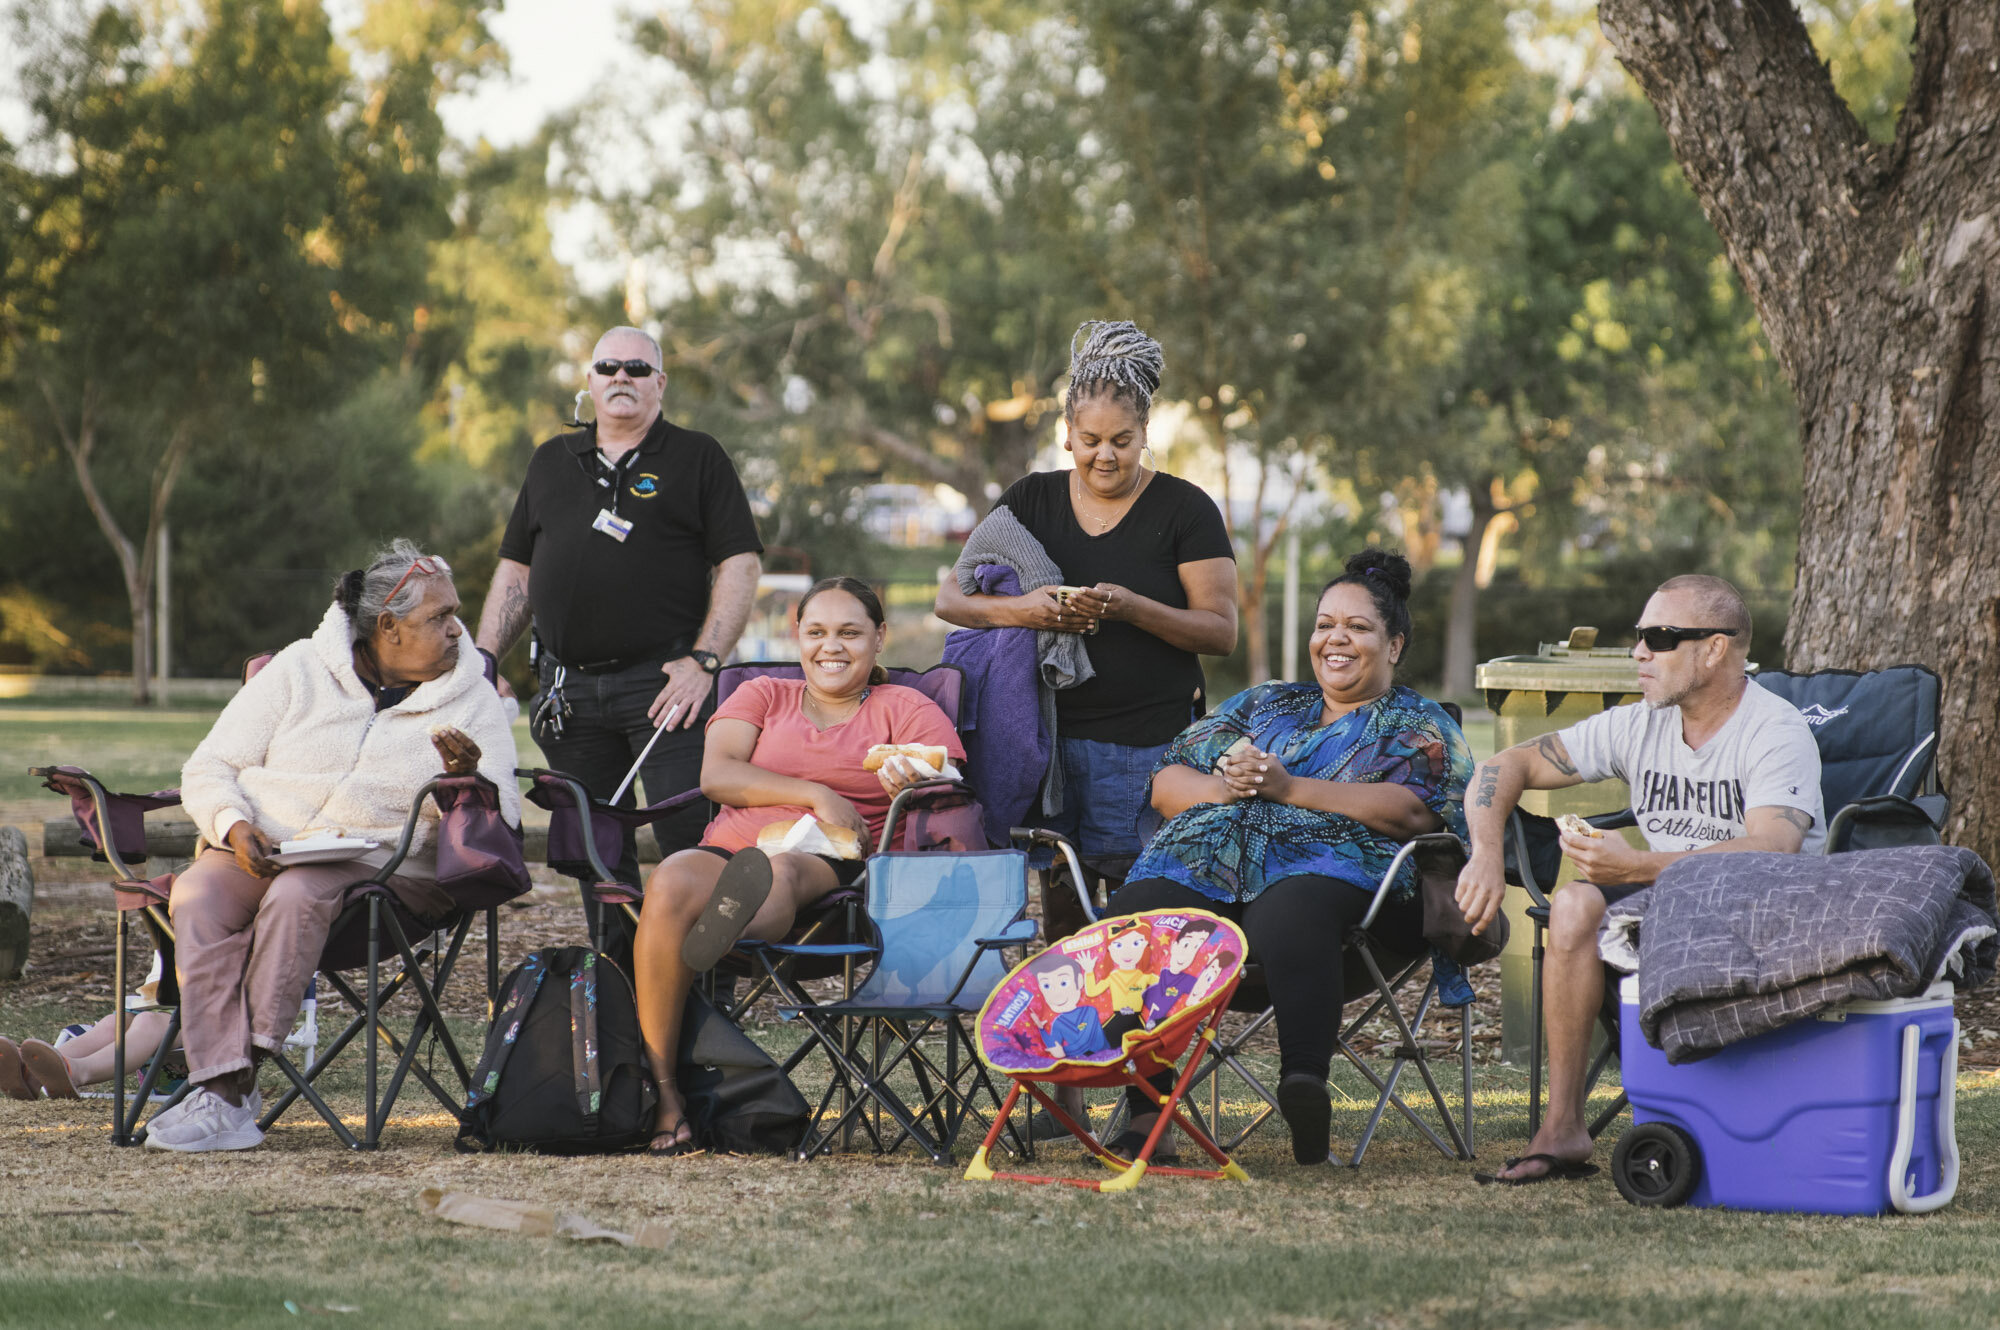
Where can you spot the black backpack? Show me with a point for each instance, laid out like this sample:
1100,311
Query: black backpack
563,1071
738,1099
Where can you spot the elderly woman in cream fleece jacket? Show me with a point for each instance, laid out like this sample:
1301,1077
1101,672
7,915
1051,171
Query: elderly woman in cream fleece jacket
339,731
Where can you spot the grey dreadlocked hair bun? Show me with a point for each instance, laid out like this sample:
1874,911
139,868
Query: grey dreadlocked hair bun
1115,360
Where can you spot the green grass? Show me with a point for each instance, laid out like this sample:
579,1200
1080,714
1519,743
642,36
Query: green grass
1406,1241
129,748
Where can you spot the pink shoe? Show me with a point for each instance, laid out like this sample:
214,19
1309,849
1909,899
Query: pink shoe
13,1075
50,1068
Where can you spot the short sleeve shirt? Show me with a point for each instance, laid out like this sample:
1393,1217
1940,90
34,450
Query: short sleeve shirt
1762,757
791,745
598,599
1144,691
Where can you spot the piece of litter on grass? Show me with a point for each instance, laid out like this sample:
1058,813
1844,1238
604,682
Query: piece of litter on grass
578,1229
539,1221
459,1207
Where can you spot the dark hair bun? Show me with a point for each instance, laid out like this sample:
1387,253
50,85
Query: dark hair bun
1390,570
347,591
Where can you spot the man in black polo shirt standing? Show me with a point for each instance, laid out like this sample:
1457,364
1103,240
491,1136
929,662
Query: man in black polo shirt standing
613,541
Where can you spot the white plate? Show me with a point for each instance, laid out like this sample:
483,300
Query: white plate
322,850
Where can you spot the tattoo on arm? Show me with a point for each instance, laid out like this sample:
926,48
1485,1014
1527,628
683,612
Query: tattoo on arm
1802,820
1551,747
1489,785
511,620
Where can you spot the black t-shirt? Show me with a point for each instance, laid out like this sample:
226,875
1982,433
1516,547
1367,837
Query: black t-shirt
1144,691
598,599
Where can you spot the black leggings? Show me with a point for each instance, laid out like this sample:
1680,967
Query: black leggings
1298,931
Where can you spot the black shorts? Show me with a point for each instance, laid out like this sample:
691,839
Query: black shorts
845,871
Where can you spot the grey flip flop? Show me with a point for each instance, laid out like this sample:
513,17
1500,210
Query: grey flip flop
740,892
50,1068
13,1081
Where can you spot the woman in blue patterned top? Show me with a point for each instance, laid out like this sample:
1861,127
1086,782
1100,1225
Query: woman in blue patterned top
1285,807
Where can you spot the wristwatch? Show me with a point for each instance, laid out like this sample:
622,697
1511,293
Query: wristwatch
708,660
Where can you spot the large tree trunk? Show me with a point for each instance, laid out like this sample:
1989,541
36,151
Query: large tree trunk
1876,272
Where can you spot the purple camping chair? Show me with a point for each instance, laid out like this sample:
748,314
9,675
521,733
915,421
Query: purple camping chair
480,866
830,938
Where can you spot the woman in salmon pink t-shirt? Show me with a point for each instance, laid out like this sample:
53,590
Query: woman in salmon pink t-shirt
776,750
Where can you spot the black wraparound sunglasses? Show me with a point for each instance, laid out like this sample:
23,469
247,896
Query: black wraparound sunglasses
638,369
1665,637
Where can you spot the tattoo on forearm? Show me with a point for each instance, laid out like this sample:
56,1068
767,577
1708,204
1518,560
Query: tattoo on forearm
511,619
1802,820
1551,747
1489,785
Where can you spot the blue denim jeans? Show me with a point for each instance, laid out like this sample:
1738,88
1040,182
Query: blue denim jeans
1104,796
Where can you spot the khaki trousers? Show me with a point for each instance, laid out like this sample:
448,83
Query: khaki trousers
246,946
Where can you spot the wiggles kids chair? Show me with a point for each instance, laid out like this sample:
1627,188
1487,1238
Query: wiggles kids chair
1055,1021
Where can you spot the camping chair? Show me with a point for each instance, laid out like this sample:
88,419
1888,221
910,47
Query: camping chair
940,919
1023,1034
354,941
369,913
1384,977
1877,733
947,816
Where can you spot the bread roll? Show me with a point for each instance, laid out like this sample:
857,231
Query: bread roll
846,841
935,754
1576,826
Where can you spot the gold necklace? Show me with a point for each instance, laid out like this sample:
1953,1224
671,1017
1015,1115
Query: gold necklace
825,719
1105,523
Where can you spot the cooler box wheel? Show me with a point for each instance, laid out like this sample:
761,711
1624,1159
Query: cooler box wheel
1656,1164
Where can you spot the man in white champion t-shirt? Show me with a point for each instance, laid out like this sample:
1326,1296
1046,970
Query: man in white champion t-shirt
1715,764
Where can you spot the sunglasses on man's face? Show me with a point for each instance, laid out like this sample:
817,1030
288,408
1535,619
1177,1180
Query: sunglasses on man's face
1665,637
638,369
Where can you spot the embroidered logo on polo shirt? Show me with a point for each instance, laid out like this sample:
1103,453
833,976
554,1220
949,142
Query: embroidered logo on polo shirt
645,485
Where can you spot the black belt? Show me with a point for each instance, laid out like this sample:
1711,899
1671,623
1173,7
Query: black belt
672,651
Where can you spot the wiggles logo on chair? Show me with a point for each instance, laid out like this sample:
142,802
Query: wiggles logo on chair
1079,1000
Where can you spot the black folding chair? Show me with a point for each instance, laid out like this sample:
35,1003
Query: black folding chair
1877,734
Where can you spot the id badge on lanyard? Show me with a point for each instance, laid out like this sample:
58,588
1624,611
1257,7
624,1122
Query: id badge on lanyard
608,521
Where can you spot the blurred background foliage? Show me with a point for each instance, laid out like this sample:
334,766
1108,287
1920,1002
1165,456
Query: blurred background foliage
1425,272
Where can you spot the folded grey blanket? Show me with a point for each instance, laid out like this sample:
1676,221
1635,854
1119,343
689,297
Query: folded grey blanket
1061,658
1728,946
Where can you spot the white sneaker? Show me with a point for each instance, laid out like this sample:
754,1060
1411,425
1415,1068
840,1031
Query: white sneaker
210,1123
167,1117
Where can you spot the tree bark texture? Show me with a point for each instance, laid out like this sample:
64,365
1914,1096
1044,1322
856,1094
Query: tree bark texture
17,902
1461,624
1876,271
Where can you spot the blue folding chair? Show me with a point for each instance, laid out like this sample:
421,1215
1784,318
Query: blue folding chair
942,921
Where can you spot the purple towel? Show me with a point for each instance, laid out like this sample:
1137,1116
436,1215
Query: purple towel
1007,743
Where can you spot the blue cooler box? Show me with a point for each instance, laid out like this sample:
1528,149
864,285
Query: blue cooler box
1847,1113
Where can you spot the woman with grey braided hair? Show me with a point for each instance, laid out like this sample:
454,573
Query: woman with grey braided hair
1148,577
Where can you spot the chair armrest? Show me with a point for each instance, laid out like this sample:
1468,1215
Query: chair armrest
1617,821
1521,853
1033,836
920,791
94,807
1881,821
1019,934
1437,845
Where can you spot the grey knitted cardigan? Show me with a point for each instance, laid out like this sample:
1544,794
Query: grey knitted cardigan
1060,657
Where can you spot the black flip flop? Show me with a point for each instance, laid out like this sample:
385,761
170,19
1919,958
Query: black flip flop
740,892
1559,1170
1308,1111
676,1144
1131,1141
